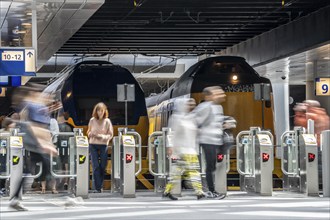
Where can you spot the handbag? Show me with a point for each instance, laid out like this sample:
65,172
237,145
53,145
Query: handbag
228,141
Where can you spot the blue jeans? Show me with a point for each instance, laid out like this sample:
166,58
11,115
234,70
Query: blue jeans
98,165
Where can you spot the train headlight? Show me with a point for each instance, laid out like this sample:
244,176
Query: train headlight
235,77
68,95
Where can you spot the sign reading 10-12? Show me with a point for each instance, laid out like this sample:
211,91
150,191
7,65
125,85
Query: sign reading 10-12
17,62
322,86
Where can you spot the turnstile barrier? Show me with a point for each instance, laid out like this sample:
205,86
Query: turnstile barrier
12,154
255,160
290,159
78,161
159,164
299,162
124,162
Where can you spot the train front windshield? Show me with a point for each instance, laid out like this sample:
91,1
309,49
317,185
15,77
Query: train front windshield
229,72
85,105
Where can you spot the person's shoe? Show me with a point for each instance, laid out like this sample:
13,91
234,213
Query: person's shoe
221,196
35,184
65,186
218,195
15,204
201,196
2,191
70,202
54,191
209,194
170,196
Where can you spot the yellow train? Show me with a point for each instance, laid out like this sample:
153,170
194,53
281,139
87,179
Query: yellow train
237,78
89,82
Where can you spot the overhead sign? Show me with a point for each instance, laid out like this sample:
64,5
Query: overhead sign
125,92
322,86
17,62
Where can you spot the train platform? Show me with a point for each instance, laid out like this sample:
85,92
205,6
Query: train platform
148,205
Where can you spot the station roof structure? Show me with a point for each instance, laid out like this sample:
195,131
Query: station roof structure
179,27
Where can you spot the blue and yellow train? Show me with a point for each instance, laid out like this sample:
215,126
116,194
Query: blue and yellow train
237,78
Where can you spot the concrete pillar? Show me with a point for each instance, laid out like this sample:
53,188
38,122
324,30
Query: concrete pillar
281,108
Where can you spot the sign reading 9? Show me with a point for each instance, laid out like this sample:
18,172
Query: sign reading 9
322,86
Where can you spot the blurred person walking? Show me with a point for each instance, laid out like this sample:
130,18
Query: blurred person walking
34,110
319,116
183,145
100,132
209,117
321,120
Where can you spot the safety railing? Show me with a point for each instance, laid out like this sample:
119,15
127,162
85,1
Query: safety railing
240,141
70,135
150,153
289,143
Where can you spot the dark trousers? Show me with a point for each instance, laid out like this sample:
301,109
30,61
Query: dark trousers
210,152
98,151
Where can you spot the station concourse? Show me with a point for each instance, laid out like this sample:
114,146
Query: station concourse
140,58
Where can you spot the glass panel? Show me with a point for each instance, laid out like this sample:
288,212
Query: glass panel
248,156
64,163
16,21
4,156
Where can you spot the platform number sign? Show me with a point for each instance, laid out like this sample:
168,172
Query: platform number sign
322,86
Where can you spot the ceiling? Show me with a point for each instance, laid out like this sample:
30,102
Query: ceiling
179,27
299,68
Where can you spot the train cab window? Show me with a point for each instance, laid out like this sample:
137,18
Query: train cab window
227,70
85,106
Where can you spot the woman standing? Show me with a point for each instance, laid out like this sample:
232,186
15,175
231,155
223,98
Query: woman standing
100,132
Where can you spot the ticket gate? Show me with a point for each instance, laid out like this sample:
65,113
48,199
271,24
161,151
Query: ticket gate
11,160
159,162
124,162
299,162
78,161
255,160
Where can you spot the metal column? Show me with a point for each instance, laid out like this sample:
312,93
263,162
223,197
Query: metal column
325,143
265,163
308,161
16,163
128,162
82,161
222,168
